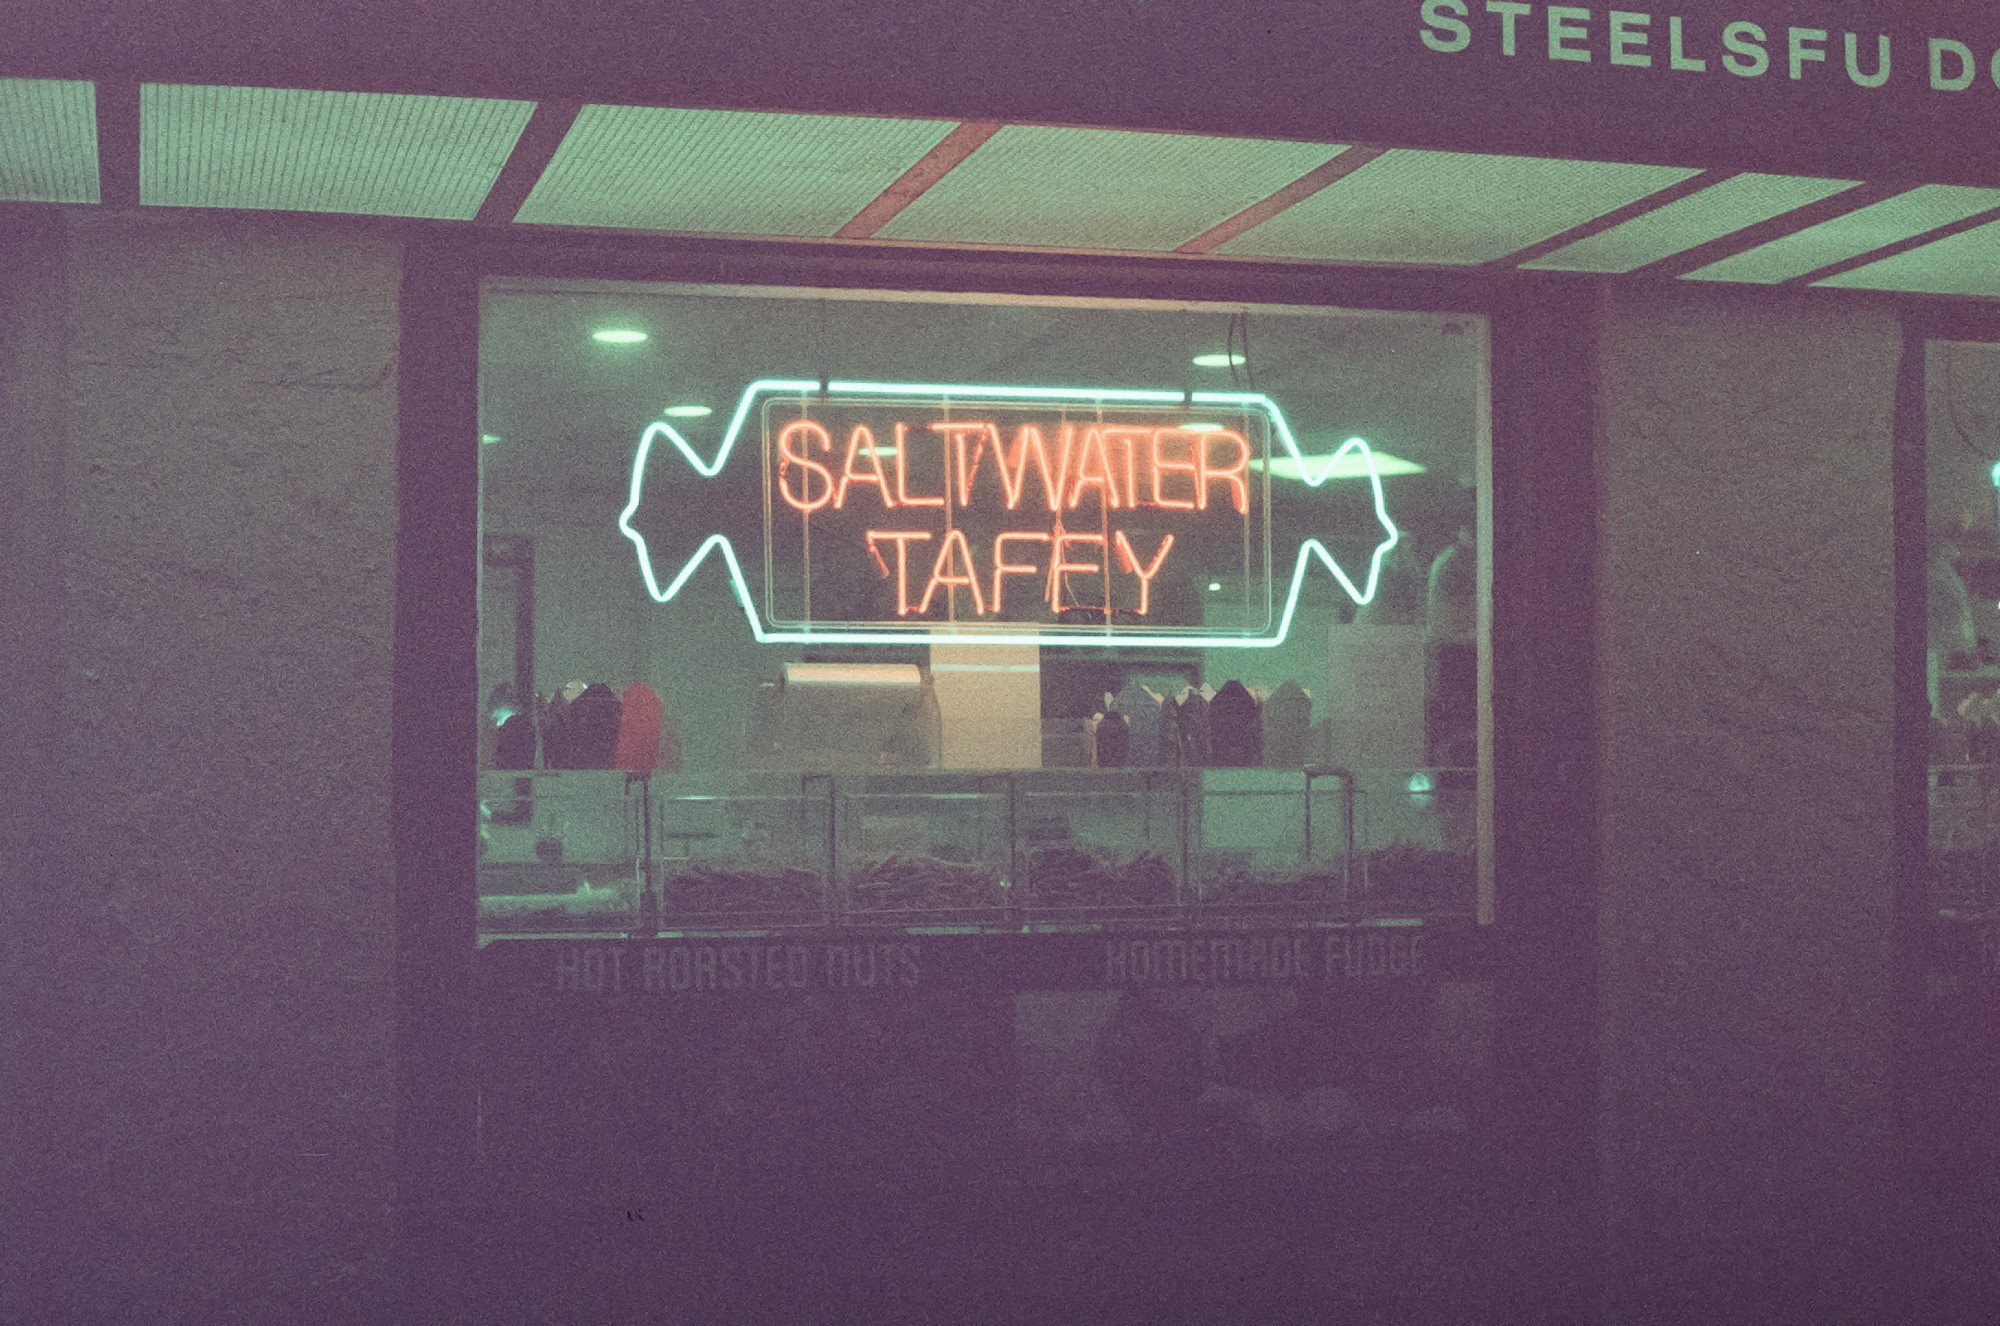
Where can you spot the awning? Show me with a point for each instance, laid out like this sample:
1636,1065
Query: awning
886,180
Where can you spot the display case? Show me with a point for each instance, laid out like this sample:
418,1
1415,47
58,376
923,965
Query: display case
1964,783
1415,844
924,849
1274,844
1102,845
560,851
601,851
744,852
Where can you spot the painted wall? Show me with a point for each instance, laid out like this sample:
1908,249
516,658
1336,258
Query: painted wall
197,874
1745,611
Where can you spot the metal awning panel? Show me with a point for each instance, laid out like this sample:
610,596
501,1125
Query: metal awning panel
1109,189
1449,208
768,174
1890,221
1967,263
1719,210
724,172
370,154
48,141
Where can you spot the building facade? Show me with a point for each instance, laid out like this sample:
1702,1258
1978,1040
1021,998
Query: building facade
321,1014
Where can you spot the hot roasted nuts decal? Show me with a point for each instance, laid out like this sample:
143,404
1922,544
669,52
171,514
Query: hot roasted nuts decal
748,965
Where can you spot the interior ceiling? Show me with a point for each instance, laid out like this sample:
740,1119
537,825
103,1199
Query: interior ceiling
890,181
569,410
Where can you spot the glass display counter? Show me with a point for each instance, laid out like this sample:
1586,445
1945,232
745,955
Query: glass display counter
599,851
1101,845
1415,844
560,851
924,849
745,853
1276,845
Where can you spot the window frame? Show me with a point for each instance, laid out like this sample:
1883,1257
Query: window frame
1538,504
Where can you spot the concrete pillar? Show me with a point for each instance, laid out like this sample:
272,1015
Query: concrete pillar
1746,606
199,898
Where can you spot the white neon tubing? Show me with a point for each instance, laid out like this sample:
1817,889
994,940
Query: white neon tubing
792,386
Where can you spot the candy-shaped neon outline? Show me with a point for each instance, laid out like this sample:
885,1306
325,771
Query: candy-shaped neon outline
1309,549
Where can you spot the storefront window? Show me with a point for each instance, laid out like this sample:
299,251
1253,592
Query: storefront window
1962,585
837,609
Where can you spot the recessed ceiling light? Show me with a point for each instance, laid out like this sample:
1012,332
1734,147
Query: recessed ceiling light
489,439
688,412
1220,359
1214,586
618,336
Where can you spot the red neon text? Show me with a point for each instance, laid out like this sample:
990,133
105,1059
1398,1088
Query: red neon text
1060,566
1003,568
1128,561
953,554
954,566
1114,467
902,538
1013,464
860,444
903,473
789,455
959,567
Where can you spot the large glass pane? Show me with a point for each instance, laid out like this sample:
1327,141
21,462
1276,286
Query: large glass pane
1962,673
821,608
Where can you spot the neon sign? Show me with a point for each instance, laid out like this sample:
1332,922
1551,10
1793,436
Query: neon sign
904,512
